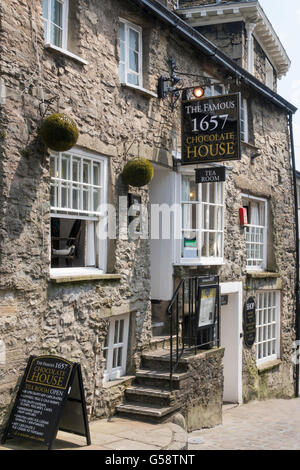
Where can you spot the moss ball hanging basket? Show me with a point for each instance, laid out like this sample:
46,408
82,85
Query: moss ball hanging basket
59,132
138,172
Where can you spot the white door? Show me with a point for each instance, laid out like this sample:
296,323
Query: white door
231,340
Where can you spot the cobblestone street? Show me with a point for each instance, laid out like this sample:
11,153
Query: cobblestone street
264,425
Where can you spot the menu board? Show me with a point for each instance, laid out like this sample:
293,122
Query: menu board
43,394
207,306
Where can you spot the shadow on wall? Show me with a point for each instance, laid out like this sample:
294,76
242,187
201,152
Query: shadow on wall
23,189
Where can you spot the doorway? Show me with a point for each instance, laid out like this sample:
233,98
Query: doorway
231,339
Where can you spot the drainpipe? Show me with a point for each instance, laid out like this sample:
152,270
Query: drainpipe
297,319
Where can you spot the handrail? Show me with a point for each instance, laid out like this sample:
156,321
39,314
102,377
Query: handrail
186,302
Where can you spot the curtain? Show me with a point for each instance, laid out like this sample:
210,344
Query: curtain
90,252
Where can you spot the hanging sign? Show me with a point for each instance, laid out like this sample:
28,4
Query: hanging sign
249,323
210,175
211,129
50,397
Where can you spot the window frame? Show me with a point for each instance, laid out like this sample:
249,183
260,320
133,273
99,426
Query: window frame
265,233
110,372
269,74
65,19
97,217
268,325
128,25
199,260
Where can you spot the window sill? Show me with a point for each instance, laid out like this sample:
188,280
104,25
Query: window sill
66,53
193,262
269,365
262,275
61,275
125,380
141,90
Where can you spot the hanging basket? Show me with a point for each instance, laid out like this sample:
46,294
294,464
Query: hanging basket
138,172
59,132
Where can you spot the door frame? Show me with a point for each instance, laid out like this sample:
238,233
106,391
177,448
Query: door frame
227,288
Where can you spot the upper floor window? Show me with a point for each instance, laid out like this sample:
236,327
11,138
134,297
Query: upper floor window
202,221
244,120
256,233
78,192
130,66
269,75
56,22
219,89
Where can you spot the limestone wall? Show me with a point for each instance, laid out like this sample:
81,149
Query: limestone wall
37,315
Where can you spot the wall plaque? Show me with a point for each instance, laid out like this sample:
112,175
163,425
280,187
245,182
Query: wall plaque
211,129
249,324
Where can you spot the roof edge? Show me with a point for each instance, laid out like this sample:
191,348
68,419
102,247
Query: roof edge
208,48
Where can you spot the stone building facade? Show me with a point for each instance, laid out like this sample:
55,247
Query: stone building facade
73,64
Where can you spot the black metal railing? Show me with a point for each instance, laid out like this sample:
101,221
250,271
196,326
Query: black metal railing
187,334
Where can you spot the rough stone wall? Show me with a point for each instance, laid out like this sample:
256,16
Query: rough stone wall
260,64
201,399
229,37
38,316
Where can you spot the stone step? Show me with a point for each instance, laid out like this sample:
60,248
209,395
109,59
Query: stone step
146,411
160,360
153,396
161,342
160,379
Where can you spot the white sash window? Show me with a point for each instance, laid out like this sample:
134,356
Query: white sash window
256,233
55,14
267,326
201,221
78,195
130,65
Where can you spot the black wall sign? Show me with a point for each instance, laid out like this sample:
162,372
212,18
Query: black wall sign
210,175
249,324
50,397
211,129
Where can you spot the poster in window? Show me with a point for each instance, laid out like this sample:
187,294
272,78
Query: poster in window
207,306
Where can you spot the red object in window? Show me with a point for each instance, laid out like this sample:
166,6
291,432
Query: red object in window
243,216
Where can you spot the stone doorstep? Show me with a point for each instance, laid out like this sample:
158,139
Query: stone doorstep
147,410
148,391
154,374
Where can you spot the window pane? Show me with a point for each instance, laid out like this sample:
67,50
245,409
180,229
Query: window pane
45,8
116,332
189,189
133,40
122,51
56,36
119,357
56,13
121,332
122,73
133,61
133,79
122,31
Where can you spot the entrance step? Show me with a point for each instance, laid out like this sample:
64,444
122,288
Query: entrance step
146,411
149,397
160,379
154,396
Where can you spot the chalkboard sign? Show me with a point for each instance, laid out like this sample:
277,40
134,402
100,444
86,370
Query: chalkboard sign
249,322
50,397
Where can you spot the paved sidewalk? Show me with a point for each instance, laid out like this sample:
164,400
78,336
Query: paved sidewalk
263,425
118,434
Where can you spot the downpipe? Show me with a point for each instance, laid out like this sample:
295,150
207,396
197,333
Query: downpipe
297,292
